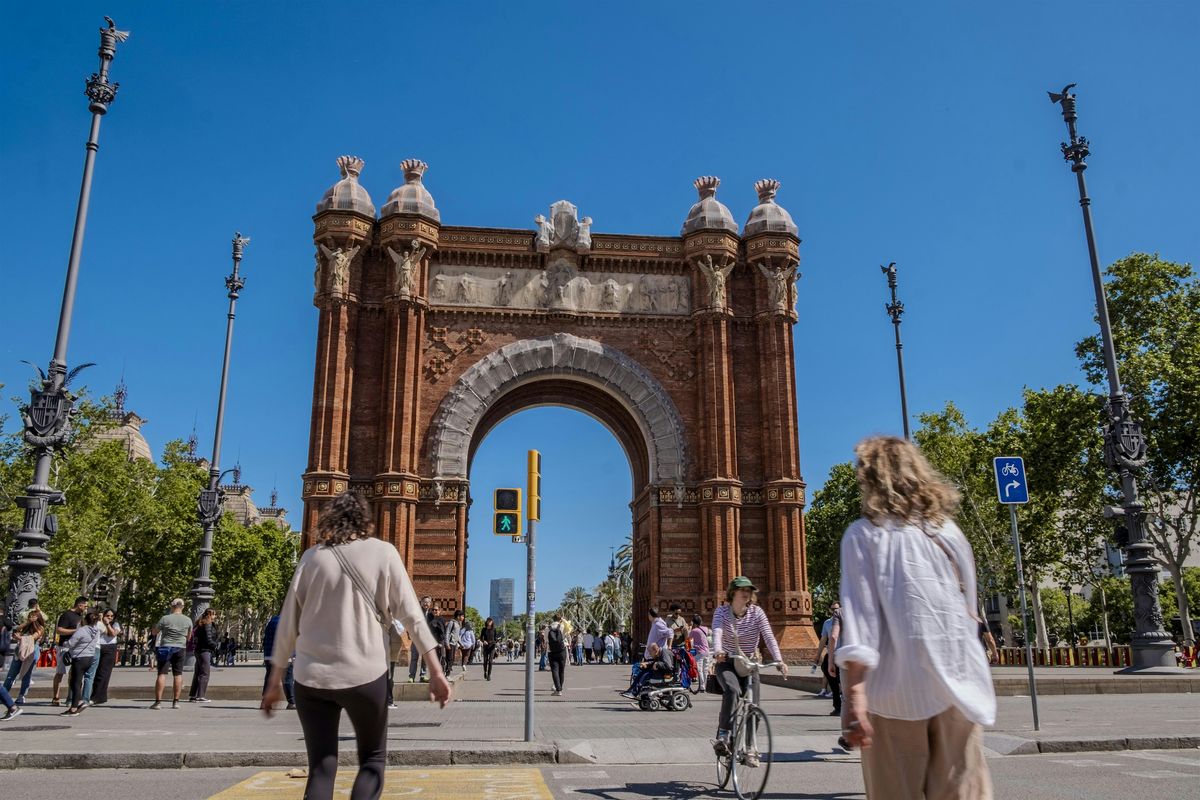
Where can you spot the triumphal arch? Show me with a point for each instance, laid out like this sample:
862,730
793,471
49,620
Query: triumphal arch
430,334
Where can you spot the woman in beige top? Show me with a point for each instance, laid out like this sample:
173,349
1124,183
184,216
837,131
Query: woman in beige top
340,641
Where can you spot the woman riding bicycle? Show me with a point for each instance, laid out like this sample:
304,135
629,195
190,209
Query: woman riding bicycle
738,628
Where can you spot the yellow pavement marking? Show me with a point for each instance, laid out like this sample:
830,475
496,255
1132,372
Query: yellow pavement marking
463,783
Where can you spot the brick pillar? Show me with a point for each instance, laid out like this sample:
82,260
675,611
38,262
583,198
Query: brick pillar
407,243
773,259
341,238
713,254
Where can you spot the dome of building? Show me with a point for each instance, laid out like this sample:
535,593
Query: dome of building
708,213
768,216
126,427
412,197
348,194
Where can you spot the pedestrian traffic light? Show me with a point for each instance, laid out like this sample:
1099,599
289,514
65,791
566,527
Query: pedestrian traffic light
535,485
506,519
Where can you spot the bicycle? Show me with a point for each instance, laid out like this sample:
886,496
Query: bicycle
750,748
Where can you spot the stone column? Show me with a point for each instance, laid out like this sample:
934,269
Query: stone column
407,243
773,257
713,254
341,238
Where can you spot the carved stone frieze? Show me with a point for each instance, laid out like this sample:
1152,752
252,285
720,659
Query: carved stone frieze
559,287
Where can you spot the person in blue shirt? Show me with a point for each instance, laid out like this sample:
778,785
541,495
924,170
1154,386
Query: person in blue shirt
268,644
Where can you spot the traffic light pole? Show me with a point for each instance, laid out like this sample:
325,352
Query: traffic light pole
530,632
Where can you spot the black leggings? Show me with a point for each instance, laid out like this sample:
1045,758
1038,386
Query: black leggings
835,683
733,686
108,659
489,655
320,710
558,663
79,668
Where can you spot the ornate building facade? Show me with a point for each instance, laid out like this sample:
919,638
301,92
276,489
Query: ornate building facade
430,334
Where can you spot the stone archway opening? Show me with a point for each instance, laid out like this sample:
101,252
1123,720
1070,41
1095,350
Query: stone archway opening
586,507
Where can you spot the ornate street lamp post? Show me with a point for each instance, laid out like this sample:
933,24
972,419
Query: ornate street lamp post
209,505
895,310
1124,443
48,415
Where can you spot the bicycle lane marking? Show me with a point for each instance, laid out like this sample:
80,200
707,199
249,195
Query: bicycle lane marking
463,783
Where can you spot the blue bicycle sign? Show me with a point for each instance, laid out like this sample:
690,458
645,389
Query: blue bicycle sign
1011,486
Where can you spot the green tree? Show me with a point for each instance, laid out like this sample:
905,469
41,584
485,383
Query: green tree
834,506
1154,307
474,618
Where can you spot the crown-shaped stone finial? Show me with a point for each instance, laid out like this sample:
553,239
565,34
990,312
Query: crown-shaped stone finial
707,185
766,189
350,166
414,169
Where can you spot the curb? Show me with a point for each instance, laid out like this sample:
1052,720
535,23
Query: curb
513,754
523,754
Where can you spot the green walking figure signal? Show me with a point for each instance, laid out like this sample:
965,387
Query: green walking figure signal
506,519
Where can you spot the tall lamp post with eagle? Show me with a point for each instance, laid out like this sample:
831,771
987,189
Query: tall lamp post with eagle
48,416
1124,442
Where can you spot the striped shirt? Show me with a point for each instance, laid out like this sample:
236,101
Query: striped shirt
906,620
731,632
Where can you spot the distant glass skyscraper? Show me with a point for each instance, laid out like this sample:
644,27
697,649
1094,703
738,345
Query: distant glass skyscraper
501,608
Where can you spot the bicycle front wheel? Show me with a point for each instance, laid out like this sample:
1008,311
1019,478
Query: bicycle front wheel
724,768
752,754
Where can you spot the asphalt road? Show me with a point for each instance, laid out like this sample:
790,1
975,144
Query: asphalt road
1158,773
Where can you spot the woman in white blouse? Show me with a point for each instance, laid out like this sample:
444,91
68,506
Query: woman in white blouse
336,618
916,682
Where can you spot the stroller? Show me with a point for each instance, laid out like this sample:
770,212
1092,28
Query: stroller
672,692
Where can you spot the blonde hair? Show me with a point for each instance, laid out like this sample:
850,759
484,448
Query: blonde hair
896,481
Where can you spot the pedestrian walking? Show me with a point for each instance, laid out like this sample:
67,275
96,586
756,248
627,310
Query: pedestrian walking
204,640
698,645
416,665
395,634
466,644
110,634
556,653
68,622
452,642
626,647
344,592
831,632
917,684
541,650
27,646
80,650
587,646
171,632
678,625
268,644
487,640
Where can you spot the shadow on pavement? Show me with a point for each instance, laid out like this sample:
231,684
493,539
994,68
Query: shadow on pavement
676,790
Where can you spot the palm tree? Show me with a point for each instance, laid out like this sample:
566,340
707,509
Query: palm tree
577,606
623,573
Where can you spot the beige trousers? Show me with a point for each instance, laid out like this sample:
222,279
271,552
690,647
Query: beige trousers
940,758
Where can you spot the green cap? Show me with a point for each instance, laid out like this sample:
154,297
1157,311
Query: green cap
741,582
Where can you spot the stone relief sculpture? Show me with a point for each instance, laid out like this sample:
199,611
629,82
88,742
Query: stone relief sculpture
608,295
559,287
405,266
504,289
317,271
339,260
781,285
715,276
563,229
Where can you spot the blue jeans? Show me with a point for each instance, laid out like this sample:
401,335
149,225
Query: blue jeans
90,677
542,662
6,698
14,671
608,655
579,654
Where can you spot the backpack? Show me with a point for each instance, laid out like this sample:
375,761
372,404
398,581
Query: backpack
554,640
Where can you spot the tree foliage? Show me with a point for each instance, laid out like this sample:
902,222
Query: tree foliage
1154,308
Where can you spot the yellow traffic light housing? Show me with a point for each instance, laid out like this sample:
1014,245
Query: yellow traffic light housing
506,519
535,485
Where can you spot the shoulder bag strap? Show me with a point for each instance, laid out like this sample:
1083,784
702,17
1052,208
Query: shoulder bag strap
962,585
359,585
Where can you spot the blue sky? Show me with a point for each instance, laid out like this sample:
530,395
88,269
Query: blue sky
917,135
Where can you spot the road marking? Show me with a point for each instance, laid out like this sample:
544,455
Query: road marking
567,774
1158,774
428,784
1166,759
1087,762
